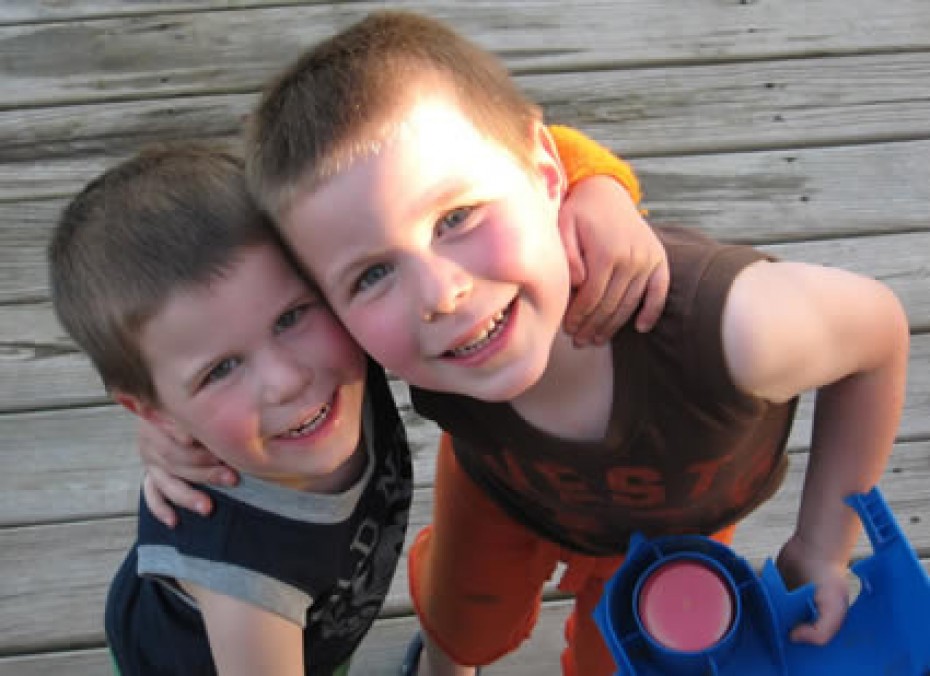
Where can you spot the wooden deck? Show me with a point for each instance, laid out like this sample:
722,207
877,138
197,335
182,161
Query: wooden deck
799,125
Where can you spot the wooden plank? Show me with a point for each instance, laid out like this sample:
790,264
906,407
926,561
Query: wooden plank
742,106
53,578
647,111
58,602
34,11
92,662
47,475
119,57
37,358
792,195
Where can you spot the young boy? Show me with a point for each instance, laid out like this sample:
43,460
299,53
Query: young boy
422,193
171,279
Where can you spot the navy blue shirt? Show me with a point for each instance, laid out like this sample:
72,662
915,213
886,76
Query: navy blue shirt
324,562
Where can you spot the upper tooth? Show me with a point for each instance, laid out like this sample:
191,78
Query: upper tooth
309,422
477,340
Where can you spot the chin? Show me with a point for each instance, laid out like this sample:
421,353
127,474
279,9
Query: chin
513,386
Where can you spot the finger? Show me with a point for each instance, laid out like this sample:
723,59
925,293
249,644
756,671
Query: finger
583,304
831,609
586,300
156,503
624,296
654,301
179,493
219,475
818,633
568,233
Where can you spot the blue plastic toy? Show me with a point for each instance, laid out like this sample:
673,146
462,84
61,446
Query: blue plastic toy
886,631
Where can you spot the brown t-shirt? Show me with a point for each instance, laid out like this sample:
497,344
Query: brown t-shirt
684,450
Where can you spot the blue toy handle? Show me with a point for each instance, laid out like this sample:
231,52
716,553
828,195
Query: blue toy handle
886,630
791,607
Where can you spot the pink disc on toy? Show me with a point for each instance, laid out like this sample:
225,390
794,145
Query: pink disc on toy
685,606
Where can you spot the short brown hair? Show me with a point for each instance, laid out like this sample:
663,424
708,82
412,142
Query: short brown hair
171,217
314,117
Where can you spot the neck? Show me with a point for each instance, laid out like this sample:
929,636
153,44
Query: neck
573,397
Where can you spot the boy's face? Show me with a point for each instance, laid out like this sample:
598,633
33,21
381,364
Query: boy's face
441,253
255,366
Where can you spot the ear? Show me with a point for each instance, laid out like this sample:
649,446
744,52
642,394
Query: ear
549,164
153,415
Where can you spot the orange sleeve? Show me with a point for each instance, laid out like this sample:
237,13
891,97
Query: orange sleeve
582,157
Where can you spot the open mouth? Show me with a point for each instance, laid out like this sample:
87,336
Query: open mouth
310,425
494,328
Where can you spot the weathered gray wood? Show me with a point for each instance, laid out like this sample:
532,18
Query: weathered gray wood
83,466
20,11
53,578
647,111
91,662
793,195
116,58
744,105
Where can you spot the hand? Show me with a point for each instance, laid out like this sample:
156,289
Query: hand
169,465
799,564
615,259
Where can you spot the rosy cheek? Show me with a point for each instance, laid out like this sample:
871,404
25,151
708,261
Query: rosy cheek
230,424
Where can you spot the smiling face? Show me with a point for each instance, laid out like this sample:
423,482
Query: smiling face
441,253
254,366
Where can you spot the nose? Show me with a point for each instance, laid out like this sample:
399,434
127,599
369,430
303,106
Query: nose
283,376
444,284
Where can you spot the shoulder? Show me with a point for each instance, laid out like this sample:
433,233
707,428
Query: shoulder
788,327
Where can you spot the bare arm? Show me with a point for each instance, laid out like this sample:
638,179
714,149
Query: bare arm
791,327
246,640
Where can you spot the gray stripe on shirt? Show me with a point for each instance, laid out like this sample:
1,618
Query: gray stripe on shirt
323,508
161,561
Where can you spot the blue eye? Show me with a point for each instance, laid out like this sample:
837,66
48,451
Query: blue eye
372,276
221,370
453,219
290,318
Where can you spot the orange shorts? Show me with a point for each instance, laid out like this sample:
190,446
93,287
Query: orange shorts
476,578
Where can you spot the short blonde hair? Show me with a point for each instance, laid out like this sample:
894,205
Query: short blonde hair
316,114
